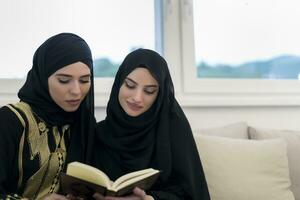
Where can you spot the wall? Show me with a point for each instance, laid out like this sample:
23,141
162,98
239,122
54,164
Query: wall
285,117
279,116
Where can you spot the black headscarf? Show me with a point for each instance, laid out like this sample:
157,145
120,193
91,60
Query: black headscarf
161,137
55,53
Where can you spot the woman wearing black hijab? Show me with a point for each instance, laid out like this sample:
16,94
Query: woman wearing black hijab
145,127
52,124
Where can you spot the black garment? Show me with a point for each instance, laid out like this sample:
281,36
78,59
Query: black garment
55,53
160,138
10,146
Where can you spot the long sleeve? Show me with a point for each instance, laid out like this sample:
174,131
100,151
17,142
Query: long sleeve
187,166
167,191
11,129
187,179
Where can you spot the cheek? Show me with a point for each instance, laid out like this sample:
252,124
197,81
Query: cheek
55,90
85,89
150,100
122,97
123,93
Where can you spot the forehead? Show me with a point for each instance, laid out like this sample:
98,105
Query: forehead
142,76
78,68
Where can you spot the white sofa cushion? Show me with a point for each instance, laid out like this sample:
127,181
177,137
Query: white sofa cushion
238,169
235,130
292,139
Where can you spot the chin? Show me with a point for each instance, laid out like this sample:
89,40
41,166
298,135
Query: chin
70,109
133,114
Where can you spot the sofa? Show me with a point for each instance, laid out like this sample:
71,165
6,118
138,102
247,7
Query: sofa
242,162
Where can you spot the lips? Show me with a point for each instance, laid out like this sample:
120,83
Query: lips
74,102
134,107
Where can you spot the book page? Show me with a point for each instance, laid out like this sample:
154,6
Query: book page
88,173
132,177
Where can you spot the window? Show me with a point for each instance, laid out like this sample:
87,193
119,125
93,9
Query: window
217,91
247,39
184,31
111,28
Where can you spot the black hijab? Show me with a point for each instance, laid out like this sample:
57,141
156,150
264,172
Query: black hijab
55,53
160,138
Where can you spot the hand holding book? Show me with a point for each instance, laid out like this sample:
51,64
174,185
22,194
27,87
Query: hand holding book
138,194
84,180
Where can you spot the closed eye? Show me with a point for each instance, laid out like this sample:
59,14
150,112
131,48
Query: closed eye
151,90
84,80
129,84
64,80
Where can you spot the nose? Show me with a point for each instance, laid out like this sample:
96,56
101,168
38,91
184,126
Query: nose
138,96
75,88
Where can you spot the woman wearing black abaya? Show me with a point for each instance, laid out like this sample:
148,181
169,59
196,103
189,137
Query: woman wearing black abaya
145,127
52,124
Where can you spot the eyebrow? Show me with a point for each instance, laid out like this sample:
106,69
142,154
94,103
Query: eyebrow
155,86
67,75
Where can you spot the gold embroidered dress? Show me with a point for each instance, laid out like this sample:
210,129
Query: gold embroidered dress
34,168
36,141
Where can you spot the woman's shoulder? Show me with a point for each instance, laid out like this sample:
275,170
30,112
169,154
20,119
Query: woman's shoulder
178,118
179,125
6,112
8,118
11,129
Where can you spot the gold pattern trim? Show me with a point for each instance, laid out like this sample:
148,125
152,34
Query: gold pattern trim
13,197
45,180
37,135
21,145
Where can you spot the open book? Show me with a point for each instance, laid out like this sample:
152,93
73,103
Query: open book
84,180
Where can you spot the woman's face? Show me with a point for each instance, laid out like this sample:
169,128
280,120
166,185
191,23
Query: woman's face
138,92
69,85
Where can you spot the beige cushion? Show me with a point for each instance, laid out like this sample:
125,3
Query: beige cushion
236,130
238,169
292,139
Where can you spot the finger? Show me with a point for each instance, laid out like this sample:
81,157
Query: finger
55,196
130,197
98,196
139,192
148,197
70,197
